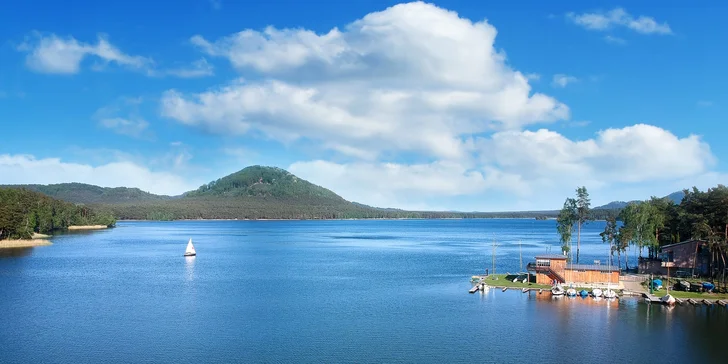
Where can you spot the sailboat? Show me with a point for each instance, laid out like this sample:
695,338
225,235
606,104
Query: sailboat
609,293
190,251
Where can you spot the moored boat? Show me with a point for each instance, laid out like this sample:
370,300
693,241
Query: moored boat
583,293
571,292
668,299
557,290
609,294
596,292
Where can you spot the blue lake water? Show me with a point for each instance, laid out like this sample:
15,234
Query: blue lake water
322,291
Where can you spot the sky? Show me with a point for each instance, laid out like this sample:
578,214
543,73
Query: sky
447,105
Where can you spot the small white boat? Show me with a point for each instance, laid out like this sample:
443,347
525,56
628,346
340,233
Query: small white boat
571,292
668,299
609,294
557,290
596,292
190,251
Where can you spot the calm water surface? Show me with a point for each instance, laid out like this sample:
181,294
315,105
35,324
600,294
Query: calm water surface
322,291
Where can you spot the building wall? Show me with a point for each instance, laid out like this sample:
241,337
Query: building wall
558,266
682,255
542,279
591,276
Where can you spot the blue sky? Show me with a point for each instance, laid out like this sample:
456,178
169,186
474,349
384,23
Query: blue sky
444,105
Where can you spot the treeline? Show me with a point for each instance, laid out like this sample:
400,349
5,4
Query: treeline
24,212
257,207
649,225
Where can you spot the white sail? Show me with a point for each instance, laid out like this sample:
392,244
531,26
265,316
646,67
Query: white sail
190,249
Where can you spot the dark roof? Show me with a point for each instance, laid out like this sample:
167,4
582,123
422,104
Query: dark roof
551,256
683,242
603,268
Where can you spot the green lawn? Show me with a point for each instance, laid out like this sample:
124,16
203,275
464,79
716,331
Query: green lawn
693,295
684,294
501,281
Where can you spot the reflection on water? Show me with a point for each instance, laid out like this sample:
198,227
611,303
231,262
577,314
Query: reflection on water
190,267
15,252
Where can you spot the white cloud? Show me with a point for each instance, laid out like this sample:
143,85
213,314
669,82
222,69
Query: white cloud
614,40
63,55
619,17
26,169
526,170
533,76
411,67
199,68
54,54
400,185
561,80
122,117
130,127
638,153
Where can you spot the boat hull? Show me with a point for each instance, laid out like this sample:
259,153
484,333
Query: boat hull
190,254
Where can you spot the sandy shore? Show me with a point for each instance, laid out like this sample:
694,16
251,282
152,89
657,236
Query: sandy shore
23,243
40,236
87,227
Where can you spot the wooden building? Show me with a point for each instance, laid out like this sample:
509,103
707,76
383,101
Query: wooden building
551,269
690,258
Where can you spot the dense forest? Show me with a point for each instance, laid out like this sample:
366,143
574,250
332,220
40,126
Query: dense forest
24,212
649,225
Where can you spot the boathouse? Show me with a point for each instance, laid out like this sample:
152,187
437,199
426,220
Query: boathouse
550,269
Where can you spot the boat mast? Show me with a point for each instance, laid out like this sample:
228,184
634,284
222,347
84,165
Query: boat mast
520,256
493,255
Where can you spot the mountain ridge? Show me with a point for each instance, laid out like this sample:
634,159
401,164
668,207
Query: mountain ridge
254,192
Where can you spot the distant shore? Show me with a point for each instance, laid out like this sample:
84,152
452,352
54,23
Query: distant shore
87,227
7,244
354,219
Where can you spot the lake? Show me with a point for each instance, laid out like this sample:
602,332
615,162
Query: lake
368,291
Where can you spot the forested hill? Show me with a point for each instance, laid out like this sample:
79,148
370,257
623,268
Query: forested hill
256,192
82,193
258,181
24,212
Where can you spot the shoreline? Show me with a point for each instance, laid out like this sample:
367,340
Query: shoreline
87,227
350,219
23,243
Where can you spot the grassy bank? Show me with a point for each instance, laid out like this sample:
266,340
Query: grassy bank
12,243
503,280
693,295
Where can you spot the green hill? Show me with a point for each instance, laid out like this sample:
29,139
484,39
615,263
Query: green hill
259,181
81,193
256,192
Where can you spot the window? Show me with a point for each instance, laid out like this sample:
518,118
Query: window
543,263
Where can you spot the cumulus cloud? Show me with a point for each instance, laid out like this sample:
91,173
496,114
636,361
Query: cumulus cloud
637,153
26,169
541,166
370,85
562,80
618,17
402,185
